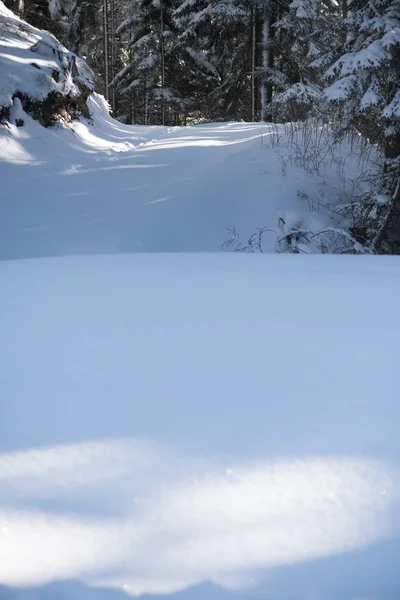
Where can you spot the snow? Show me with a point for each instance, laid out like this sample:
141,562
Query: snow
176,420
370,98
173,420
6,12
392,110
341,89
298,92
30,59
391,38
370,57
105,187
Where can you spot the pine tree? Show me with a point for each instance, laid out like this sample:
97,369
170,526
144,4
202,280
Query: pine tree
85,35
365,78
365,88
218,34
300,38
36,12
157,78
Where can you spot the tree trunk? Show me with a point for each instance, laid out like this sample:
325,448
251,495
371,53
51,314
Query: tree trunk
162,48
389,239
105,41
112,42
265,64
267,34
253,64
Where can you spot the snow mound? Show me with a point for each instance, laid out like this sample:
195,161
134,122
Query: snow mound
40,71
173,420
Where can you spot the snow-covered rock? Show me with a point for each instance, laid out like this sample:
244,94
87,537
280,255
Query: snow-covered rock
48,80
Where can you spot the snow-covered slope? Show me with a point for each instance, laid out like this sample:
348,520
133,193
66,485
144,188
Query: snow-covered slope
173,420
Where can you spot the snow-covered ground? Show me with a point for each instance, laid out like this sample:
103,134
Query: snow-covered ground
207,426
114,188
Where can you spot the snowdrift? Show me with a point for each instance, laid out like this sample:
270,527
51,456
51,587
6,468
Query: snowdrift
39,72
173,420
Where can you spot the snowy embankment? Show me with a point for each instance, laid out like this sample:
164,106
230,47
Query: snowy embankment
221,424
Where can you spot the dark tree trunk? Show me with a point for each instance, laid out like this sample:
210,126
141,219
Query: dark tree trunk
389,240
